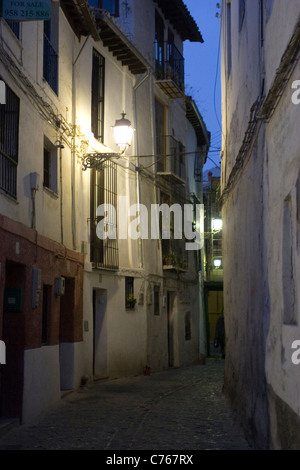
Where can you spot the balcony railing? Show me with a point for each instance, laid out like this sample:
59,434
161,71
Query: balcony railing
174,255
50,68
173,162
169,69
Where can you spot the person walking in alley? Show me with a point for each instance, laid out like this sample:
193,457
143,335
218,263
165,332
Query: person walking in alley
220,334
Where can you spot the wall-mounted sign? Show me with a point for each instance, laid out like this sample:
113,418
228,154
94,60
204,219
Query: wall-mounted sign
26,10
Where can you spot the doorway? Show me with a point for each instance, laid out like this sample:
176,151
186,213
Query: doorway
11,380
66,335
172,329
100,366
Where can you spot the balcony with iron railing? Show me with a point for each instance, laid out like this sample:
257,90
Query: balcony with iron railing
174,255
170,161
169,69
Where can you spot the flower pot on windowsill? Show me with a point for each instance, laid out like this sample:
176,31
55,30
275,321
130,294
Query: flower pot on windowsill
130,301
170,260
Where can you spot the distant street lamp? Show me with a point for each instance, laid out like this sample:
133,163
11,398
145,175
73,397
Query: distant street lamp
217,262
217,225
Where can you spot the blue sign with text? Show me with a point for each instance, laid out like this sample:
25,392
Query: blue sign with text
26,10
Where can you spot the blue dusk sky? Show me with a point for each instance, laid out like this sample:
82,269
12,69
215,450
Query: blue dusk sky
202,72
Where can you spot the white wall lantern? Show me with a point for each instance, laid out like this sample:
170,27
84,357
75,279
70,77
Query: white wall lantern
123,133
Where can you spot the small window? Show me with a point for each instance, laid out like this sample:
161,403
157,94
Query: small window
298,210
97,98
156,300
50,166
242,9
228,31
129,293
45,312
288,268
187,326
50,58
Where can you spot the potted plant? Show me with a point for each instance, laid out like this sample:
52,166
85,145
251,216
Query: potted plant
170,259
130,301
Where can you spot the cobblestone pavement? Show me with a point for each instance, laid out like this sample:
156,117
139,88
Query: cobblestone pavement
176,409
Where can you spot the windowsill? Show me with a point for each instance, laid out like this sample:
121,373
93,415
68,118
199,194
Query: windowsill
50,192
12,42
11,33
10,198
47,84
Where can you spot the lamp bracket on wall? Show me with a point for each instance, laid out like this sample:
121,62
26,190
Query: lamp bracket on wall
97,160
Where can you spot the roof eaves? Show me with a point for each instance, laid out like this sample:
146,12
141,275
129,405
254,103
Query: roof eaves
119,44
80,17
195,118
180,17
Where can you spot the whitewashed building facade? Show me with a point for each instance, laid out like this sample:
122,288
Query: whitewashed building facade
76,307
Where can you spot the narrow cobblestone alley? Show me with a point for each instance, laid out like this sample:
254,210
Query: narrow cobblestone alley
176,409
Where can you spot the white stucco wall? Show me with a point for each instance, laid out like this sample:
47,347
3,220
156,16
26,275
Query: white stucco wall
41,381
259,340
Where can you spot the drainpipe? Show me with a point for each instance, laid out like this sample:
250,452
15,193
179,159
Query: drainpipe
73,153
61,195
138,185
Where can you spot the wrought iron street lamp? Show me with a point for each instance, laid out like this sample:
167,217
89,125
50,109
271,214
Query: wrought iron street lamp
123,133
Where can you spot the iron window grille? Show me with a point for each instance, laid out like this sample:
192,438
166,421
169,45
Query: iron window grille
173,158
156,300
104,252
9,143
129,292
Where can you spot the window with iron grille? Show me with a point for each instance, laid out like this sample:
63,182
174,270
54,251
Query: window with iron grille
156,300
159,46
97,117
112,6
46,309
9,143
160,126
50,64
188,326
50,166
104,251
